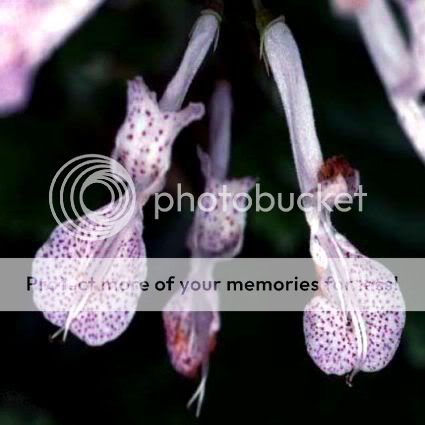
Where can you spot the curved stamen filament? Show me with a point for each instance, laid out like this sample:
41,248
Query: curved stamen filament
200,391
349,303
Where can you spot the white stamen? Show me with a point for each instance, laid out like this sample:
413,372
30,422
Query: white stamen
200,391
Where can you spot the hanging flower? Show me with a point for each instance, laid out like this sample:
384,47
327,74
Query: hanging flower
356,319
191,320
191,323
30,30
143,147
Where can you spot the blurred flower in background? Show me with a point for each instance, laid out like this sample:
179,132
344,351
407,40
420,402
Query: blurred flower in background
29,32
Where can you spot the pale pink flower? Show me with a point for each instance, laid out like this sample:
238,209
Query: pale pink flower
191,320
30,30
344,332
143,147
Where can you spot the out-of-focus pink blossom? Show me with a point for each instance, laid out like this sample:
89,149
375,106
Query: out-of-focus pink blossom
348,7
414,12
399,64
30,30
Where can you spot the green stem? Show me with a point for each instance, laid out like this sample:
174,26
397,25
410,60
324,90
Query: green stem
258,5
263,15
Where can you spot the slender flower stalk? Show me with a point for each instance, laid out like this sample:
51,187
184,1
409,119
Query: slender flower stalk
399,65
345,332
30,30
205,33
192,321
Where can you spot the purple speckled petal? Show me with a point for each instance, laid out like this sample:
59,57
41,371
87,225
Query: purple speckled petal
331,336
328,337
218,227
145,140
94,315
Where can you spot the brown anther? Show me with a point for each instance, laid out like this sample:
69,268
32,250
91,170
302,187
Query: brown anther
334,166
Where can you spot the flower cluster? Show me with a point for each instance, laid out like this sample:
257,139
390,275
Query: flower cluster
355,320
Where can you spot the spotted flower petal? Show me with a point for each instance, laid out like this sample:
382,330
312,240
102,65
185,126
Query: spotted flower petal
367,338
97,313
218,227
144,142
24,50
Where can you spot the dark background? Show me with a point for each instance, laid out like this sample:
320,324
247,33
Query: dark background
260,372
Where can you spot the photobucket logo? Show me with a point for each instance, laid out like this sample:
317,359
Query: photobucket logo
71,183
259,200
